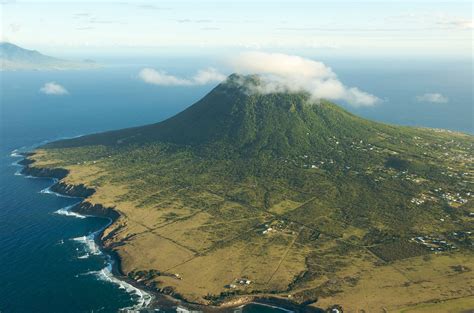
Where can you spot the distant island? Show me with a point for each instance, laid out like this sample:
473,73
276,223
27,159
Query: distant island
14,58
279,197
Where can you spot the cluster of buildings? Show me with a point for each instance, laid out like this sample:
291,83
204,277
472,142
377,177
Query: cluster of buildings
422,198
452,198
277,225
413,178
239,282
456,198
365,147
417,201
305,162
433,243
266,231
463,237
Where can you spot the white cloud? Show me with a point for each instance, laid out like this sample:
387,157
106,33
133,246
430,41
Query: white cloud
207,76
203,77
151,76
433,98
53,88
282,72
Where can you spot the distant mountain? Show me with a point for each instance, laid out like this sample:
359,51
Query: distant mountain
13,57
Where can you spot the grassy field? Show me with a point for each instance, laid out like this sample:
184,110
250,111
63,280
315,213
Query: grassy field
201,232
406,283
460,305
373,217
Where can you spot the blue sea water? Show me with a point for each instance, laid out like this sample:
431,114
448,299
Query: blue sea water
46,262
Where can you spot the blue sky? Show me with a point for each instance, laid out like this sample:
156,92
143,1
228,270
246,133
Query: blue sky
395,27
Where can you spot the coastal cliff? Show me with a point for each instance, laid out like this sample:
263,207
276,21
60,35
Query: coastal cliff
60,187
55,173
164,297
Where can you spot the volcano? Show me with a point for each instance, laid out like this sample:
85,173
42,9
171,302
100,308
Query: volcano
248,195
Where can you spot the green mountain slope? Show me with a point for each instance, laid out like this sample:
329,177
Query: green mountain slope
298,196
233,116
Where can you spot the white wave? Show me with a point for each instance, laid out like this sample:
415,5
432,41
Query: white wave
66,211
15,154
144,298
85,256
89,243
48,191
105,274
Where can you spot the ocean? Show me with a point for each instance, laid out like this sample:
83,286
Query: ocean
48,260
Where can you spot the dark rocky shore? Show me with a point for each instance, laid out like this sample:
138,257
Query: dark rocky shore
161,300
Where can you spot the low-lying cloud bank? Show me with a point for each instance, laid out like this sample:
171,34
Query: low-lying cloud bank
433,98
203,77
282,72
279,73
54,89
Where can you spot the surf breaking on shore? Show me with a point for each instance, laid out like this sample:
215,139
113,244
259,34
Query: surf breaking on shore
67,211
105,274
142,298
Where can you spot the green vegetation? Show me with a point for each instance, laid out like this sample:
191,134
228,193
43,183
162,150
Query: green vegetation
299,197
398,250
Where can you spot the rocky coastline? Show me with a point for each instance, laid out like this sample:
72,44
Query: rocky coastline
160,299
